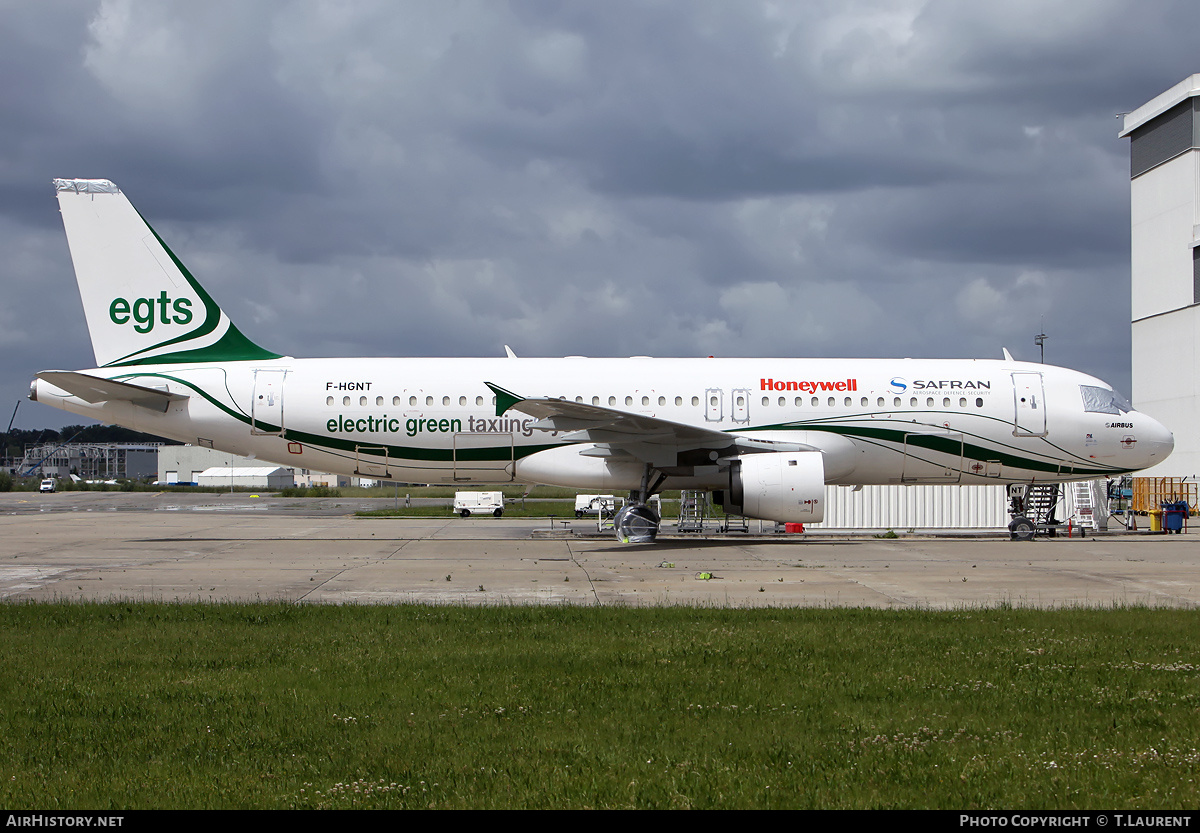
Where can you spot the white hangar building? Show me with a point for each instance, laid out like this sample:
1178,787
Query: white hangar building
1164,153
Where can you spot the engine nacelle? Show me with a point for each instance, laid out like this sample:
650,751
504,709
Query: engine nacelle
776,486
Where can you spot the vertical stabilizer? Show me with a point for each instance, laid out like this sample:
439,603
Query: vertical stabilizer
142,304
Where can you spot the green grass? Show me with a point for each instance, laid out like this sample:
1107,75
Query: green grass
273,705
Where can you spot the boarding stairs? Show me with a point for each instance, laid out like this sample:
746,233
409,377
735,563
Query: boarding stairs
1091,504
1041,504
1038,503
693,511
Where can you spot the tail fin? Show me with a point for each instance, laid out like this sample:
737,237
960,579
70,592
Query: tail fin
142,304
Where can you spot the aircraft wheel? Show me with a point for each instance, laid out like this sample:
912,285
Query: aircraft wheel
636,524
1021,529
466,513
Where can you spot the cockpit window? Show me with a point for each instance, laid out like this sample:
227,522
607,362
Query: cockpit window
1103,401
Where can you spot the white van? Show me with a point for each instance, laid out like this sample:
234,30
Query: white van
468,503
594,505
48,485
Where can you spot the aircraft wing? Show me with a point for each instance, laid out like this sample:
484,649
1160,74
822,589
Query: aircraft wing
616,433
94,389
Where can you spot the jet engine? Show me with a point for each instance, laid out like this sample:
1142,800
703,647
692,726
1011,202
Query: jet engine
776,486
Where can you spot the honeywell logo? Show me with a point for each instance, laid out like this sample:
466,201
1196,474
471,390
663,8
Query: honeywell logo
808,387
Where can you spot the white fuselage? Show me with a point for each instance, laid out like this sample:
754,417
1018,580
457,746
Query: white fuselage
425,420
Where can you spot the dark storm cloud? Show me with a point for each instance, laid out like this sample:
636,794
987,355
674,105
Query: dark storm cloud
688,178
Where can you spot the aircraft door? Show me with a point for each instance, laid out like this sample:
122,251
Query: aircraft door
713,409
741,405
266,403
1029,417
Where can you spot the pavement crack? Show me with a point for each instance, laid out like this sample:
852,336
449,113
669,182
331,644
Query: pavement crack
586,574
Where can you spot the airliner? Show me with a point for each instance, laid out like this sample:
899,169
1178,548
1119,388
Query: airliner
764,435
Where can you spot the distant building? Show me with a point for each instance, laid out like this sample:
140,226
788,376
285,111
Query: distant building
184,463
92,461
252,477
304,477
1164,153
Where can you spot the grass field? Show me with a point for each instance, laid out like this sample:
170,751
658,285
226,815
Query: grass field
273,705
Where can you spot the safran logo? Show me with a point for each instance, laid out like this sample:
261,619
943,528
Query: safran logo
899,385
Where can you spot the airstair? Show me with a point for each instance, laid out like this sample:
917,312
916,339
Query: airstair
1091,504
693,511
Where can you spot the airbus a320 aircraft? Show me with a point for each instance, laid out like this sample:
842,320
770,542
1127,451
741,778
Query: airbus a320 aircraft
765,435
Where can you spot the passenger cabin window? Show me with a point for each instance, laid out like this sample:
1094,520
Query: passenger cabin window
412,400
395,400
328,400
345,400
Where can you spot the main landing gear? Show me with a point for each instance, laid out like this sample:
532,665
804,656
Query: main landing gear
636,522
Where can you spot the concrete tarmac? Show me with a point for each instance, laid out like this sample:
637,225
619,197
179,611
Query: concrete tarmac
186,547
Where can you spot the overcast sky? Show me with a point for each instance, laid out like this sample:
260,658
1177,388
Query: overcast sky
605,178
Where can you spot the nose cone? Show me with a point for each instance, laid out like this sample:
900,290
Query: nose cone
1154,440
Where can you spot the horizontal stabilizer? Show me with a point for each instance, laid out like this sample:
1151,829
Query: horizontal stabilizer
93,389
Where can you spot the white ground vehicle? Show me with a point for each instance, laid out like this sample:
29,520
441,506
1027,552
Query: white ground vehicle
479,503
48,485
594,505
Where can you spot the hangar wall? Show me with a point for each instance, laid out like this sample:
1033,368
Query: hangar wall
1164,136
